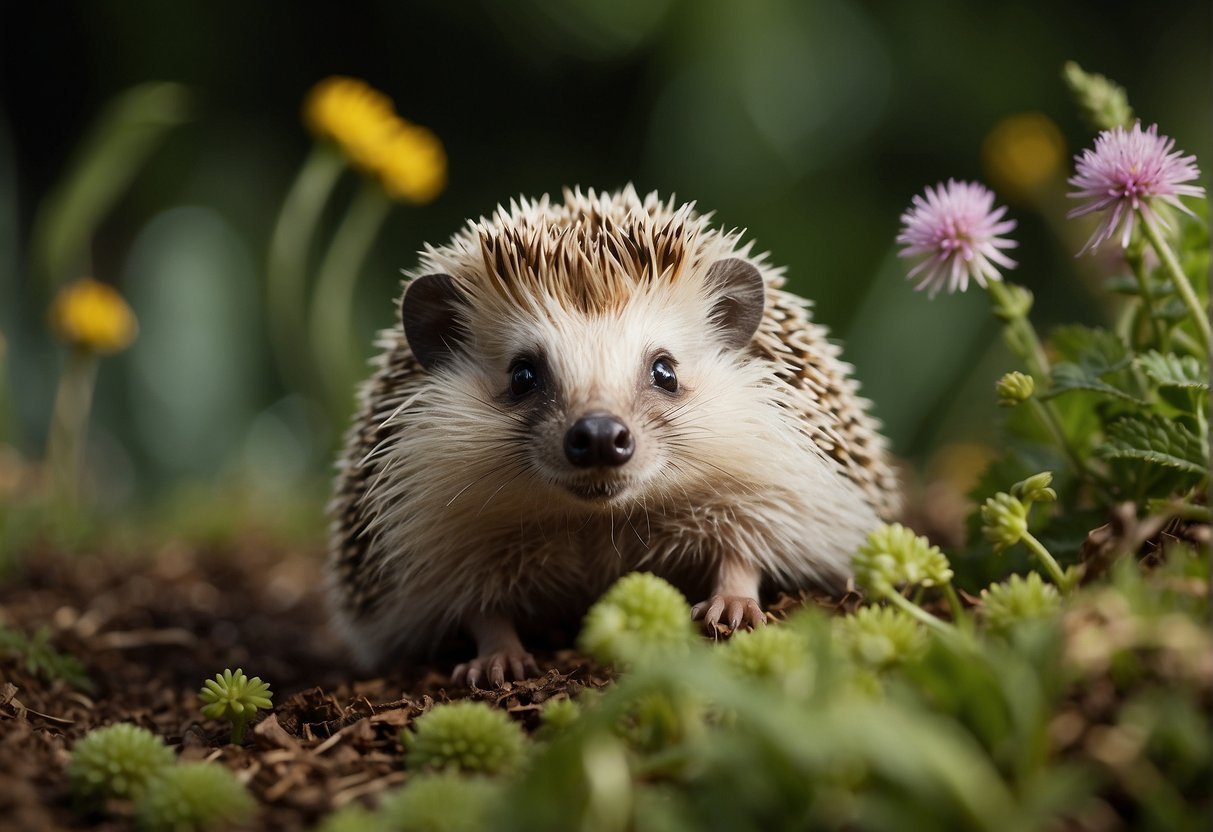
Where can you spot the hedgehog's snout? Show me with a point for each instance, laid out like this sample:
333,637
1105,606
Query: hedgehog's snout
598,439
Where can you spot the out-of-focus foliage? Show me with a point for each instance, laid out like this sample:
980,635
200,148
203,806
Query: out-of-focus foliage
810,124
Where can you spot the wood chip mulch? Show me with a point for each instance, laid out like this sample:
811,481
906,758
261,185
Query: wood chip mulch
150,631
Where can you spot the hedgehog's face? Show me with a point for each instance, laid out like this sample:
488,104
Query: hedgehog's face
602,406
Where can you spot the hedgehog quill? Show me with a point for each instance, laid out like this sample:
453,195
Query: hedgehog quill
584,387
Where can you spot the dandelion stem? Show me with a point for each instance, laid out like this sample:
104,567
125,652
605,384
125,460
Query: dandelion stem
1047,560
289,246
1176,272
332,305
69,422
1020,334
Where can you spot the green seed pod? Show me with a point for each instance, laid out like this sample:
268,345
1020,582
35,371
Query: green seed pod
465,736
116,761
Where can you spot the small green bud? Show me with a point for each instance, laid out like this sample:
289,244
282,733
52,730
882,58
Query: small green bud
192,797
880,637
1102,102
1004,521
1014,388
116,761
352,817
1035,489
465,736
1018,599
640,617
893,555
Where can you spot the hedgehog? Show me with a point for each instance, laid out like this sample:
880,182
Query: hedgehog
580,388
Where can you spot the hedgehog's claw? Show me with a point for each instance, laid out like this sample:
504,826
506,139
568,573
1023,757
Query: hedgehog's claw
496,667
733,609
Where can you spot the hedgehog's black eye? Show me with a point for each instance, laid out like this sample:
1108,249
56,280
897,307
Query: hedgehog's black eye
524,378
663,375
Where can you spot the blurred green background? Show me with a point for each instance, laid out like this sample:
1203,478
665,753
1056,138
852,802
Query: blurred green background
811,124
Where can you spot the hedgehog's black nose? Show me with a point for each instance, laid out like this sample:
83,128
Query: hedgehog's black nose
598,439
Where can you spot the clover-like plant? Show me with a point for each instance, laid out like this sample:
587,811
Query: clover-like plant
1004,523
236,698
641,617
880,637
116,761
193,797
779,654
1018,599
892,557
464,736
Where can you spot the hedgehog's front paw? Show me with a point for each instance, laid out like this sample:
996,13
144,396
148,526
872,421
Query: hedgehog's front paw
496,667
730,610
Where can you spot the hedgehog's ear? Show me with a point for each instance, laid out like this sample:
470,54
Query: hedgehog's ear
430,314
740,295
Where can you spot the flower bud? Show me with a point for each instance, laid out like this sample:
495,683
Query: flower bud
1035,489
1014,388
1103,103
1004,520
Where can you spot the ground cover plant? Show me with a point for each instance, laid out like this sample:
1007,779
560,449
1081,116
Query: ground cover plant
1056,671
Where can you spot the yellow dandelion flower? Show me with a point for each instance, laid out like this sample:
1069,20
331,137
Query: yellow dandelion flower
92,315
356,116
412,166
1022,153
407,159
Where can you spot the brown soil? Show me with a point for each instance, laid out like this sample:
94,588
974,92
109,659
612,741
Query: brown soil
150,632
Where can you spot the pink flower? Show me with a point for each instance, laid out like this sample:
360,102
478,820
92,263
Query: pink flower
1124,174
959,229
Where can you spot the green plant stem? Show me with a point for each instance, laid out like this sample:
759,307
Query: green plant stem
1047,560
332,305
1048,417
1133,254
1178,278
958,610
1021,335
287,267
918,612
238,725
69,423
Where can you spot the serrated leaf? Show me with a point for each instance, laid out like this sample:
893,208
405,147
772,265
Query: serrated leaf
1170,370
1166,442
1097,350
1068,377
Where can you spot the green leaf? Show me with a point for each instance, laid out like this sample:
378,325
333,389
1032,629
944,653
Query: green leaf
1166,442
1170,370
1067,377
1091,360
1098,350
